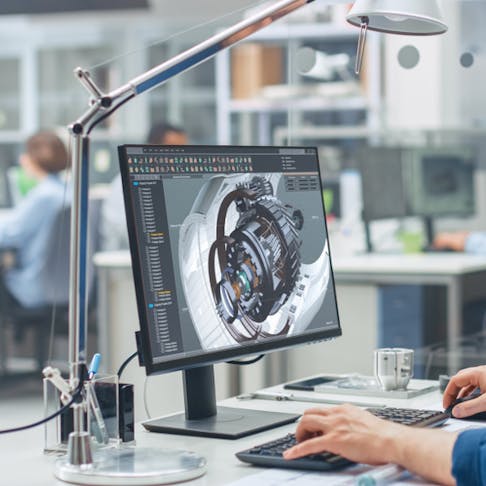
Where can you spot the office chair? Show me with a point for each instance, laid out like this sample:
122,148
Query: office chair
55,281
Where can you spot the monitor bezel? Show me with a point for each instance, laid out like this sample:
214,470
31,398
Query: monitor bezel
207,357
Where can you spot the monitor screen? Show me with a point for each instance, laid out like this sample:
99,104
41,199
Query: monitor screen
440,182
229,251
384,194
412,181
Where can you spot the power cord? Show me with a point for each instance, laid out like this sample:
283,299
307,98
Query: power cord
125,364
76,394
242,362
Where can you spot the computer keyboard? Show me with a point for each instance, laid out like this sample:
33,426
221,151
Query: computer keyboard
270,453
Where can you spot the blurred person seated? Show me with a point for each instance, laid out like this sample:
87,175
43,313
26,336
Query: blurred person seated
436,455
114,233
473,242
26,229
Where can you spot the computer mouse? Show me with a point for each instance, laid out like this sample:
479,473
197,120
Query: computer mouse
476,416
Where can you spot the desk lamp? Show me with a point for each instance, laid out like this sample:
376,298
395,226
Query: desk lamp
406,17
130,465
125,465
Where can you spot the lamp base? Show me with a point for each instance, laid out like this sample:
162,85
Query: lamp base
133,466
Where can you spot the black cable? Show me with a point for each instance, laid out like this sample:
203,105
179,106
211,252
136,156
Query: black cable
109,112
125,364
246,362
76,393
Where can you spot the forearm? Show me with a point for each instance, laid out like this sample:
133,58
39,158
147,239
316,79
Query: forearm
427,453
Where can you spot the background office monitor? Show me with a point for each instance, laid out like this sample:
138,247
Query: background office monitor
440,182
230,258
426,182
383,189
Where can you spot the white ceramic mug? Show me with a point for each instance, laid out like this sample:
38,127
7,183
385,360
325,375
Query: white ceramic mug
393,367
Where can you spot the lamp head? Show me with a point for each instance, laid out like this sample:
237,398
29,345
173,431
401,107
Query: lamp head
407,17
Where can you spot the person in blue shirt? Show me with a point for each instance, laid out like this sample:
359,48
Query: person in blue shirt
26,228
436,455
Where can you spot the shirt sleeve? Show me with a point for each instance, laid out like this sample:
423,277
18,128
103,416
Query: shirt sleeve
476,243
469,458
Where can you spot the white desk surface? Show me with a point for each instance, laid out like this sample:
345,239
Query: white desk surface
23,462
4,212
407,264
113,259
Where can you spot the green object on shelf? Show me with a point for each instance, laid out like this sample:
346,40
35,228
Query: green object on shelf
328,196
412,241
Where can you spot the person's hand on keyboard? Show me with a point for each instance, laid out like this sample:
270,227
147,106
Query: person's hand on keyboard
463,384
358,435
345,430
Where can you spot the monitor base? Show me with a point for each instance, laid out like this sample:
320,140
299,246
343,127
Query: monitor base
228,423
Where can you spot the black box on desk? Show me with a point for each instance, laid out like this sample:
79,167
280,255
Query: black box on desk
106,395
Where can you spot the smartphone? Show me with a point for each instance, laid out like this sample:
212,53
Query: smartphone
309,384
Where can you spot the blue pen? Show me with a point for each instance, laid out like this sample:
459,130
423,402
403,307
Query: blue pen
95,364
381,475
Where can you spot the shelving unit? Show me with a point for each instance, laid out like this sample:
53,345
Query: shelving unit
273,116
38,88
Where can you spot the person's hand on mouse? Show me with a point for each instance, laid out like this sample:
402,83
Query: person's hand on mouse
461,385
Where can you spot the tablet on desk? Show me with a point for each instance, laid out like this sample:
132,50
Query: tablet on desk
309,384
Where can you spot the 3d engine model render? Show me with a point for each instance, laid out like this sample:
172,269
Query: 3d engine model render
243,274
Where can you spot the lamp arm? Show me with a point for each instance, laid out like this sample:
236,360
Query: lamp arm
101,106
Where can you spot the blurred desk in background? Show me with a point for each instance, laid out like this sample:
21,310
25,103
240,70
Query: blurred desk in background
462,275
4,213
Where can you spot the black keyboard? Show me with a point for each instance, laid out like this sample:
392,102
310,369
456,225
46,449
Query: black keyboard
270,453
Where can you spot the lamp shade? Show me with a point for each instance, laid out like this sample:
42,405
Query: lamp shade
407,17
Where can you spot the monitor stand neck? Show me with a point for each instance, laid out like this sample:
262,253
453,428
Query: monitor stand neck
203,418
199,392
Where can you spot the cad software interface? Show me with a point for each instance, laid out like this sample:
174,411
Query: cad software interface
231,246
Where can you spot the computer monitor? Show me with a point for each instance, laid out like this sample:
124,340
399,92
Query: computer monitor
427,182
440,181
230,258
384,194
